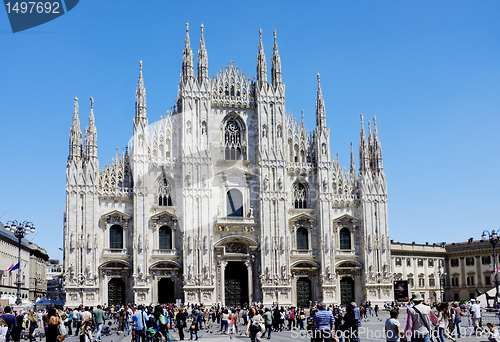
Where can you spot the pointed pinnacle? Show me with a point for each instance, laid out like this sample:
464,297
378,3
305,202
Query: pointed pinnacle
91,103
141,80
76,105
202,39
76,118
320,94
275,47
261,46
302,116
187,36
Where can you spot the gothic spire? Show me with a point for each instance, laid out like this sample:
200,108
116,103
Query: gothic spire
370,137
353,168
363,149
202,59
276,63
140,94
91,134
320,108
377,148
187,58
261,62
75,135
91,116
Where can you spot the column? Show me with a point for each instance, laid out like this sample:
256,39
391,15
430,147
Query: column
250,282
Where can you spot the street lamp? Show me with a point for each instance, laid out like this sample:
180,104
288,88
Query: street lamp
441,276
493,238
20,230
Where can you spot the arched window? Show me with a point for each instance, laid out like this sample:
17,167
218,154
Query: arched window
233,140
302,239
165,237
345,238
116,237
300,195
164,193
234,203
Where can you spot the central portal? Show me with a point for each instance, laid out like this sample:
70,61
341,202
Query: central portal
236,284
116,292
166,291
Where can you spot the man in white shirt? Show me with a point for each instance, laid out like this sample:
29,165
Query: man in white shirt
475,310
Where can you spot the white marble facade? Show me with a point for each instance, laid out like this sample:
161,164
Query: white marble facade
227,198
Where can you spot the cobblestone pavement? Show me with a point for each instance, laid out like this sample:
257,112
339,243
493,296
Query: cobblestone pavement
371,329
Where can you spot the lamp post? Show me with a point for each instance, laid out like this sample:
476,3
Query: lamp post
493,238
20,230
441,276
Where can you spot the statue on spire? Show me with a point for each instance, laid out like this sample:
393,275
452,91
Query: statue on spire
261,62
320,107
202,59
187,58
276,63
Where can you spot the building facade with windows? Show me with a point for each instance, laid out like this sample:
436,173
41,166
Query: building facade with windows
450,272
228,199
33,259
469,269
423,266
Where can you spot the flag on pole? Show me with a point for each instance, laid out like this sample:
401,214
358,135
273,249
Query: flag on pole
14,268
10,267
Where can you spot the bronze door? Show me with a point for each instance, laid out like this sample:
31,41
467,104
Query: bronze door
116,292
303,292
236,284
346,291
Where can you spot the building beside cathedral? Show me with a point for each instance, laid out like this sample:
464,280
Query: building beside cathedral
228,199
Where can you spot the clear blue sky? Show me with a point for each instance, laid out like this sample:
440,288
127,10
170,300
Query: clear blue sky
429,71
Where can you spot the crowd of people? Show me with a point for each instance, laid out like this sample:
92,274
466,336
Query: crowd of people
440,321
155,323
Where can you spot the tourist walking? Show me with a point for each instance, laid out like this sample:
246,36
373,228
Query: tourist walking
323,324
53,321
419,321
457,320
99,321
393,329
139,322
253,326
268,322
180,320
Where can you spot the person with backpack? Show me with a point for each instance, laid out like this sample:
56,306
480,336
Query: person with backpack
11,322
420,321
4,329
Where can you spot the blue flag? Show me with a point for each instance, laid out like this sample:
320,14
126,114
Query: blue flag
14,268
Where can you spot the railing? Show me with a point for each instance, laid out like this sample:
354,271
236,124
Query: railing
486,317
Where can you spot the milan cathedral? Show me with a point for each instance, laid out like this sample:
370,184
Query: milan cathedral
227,198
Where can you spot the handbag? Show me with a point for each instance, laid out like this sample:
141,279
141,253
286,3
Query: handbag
61,337
262,328
431,335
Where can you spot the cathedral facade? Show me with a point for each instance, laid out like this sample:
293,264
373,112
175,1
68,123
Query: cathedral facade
225,199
